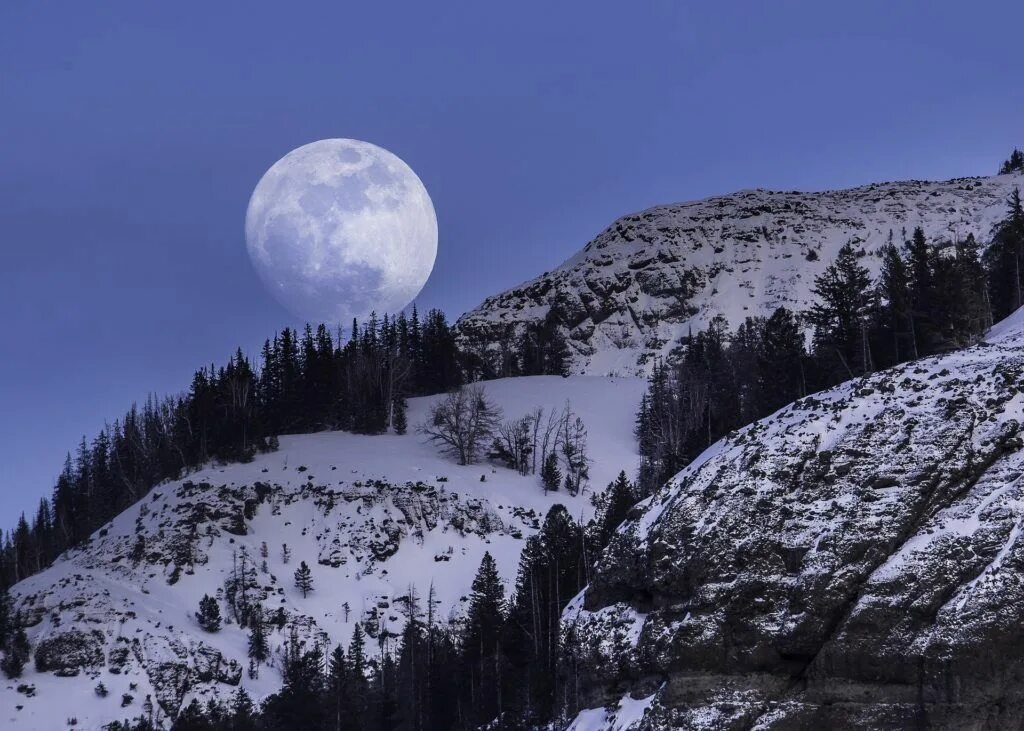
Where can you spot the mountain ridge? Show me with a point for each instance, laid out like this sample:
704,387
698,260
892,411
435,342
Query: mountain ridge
649,278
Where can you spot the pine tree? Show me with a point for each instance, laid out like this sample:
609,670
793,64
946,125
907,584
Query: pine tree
552,571
286,554
398,417
304,579
243,712
921,264
620,497
894,294
339,690
1015,163
299,704
1003,262
16,651
208,615
550,475
840,314
481,650
259,647
357,669
779,363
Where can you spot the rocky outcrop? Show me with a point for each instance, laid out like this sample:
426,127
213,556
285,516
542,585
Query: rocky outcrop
66,653
853,561
650,277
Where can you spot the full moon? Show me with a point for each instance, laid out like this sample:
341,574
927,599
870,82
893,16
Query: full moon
338,229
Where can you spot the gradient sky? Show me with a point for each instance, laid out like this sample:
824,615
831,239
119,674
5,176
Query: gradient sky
131,135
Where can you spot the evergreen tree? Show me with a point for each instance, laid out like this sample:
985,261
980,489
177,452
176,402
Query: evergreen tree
299,704
16,650
552,570
840,314
398,417
339,692
779,363
208,615
900,341
1015,163
304,579
550,475
619,498
259,647
1003,262
357,673
243,712
481,651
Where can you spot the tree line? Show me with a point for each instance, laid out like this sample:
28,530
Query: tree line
929,298
302,382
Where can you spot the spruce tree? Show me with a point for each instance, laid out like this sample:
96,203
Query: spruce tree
398,417
299,704
356,661
208,615
619,498
16,651
1015,163
339,690
840,314
304,579
550,475
780,377
481,650
894,294
259,647
1003,262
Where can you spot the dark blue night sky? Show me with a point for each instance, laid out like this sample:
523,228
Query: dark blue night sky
131,135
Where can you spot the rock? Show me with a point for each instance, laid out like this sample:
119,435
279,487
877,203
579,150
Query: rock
67,652
865,575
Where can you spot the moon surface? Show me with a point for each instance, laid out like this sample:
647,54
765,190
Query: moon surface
340,228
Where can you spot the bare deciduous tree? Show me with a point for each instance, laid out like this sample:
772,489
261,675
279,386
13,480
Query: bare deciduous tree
513,444
462,423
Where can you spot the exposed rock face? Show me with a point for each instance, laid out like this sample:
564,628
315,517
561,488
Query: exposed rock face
68,652
354,526
641,284
853,561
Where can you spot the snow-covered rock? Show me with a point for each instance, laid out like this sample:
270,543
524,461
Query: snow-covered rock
375,517
649,278
852,561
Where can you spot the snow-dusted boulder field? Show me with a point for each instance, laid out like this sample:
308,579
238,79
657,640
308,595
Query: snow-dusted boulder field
373,516
853,561
650,277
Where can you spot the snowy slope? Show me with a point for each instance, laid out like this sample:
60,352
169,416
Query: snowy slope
855,560
641,284
372,516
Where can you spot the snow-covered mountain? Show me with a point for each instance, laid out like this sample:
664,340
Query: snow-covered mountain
642,283
853,561
373,516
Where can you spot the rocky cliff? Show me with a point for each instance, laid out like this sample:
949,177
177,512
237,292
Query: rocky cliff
643,282
853,561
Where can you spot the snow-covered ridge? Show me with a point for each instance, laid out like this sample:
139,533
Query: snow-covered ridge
641,284
855,560
373,516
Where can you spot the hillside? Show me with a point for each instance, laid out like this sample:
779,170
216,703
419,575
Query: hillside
651,277
373,516
852,561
